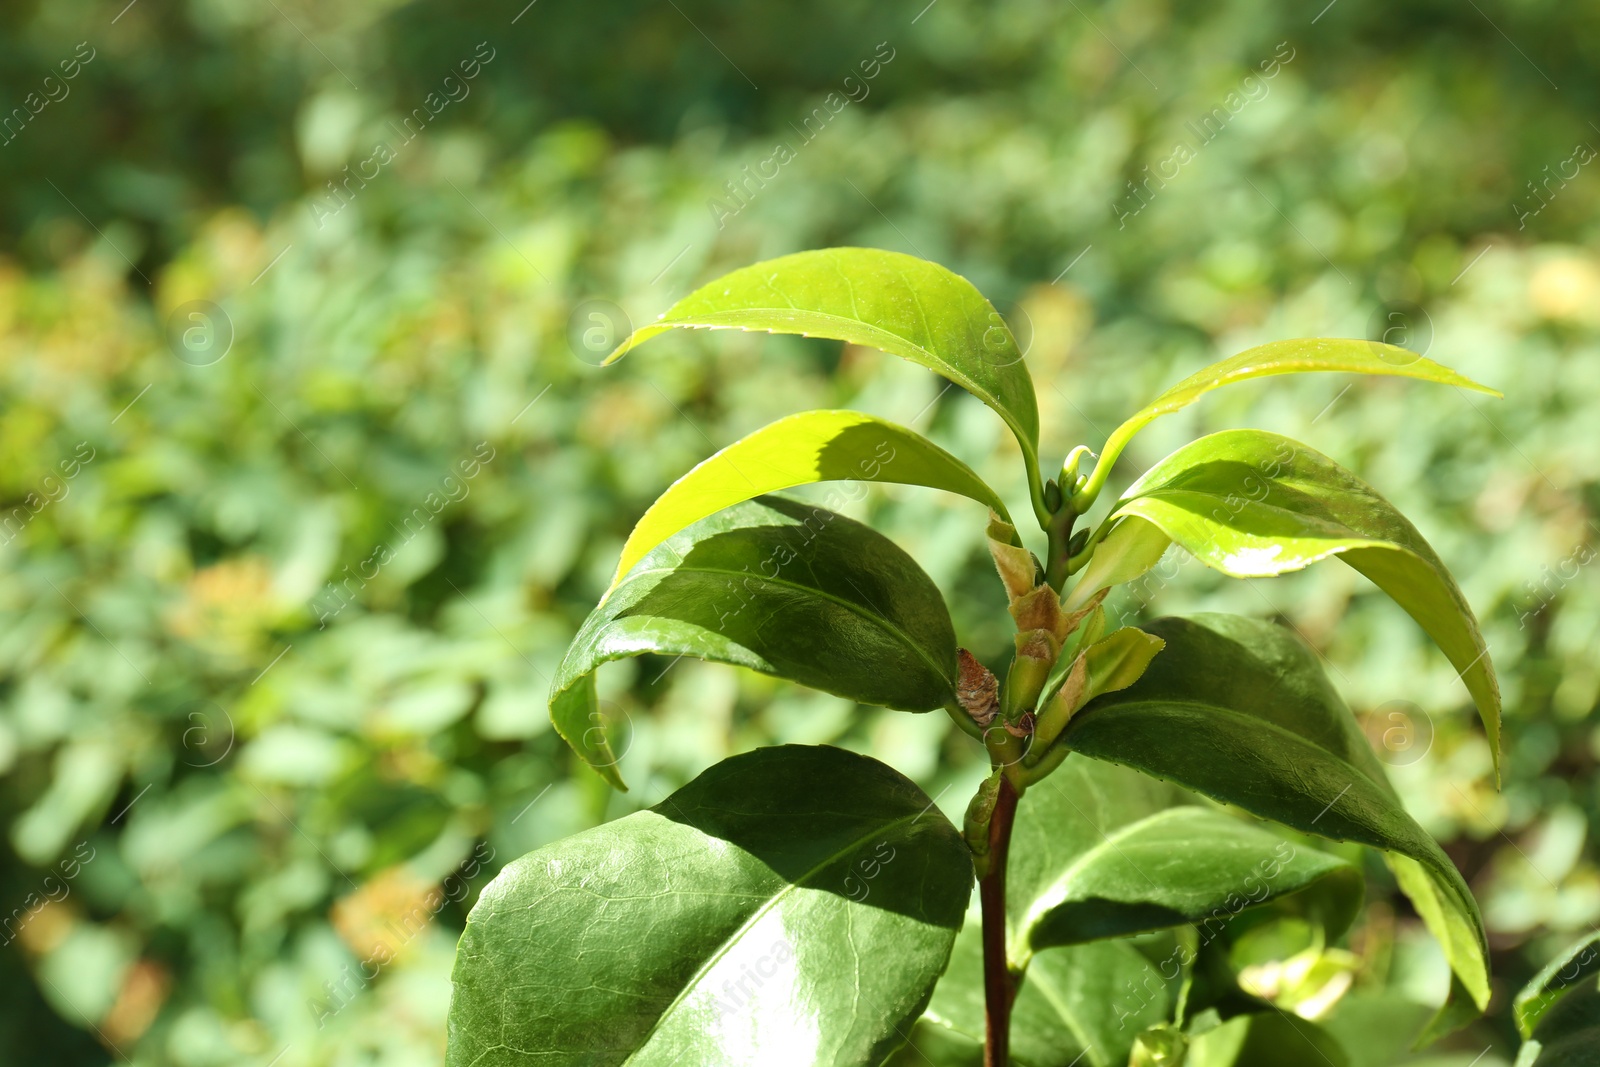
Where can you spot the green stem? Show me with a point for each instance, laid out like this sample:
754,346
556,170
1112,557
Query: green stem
1084,498
999,986
1059,533
1036,488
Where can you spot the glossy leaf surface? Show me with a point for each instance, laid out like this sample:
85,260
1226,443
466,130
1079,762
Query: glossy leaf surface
1100,851
1081,1005
814,446
1252,504
1294,356
1239,710
900,304
780,587
792,905
1572,967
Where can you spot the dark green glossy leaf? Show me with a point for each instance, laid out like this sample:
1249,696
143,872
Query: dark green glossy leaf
1239,710
1100,851
1568,1034
1579,962
900,304
1294,356
814,446
1081,1005
780,587
1252,504
791,905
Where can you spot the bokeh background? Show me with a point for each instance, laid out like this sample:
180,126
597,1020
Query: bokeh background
254,326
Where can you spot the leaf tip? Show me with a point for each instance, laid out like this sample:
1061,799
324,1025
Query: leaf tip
623,349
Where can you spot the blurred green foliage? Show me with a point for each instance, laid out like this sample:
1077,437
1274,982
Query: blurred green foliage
269,788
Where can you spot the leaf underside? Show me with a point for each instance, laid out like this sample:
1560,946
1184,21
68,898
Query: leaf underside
814,446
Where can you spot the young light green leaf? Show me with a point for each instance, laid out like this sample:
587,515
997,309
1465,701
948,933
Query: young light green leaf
793,905
1130,549
1106,664
814,446
900,304
1250,504
780,587
1077,1007
1101,851
1296,356
1580,962
1239,710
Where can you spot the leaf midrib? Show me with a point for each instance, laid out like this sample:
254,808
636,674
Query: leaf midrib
707,321
732,939
1300,740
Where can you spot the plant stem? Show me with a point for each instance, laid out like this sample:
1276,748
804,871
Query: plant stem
998,985
1059,533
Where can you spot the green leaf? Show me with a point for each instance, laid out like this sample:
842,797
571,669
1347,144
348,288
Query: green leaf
1568,1034
1266,1039
1081,1005
1130,548
1579,962
1252,504
1239,710
900,304
1296,356
1100,851
780,587
791,905
814,446
1108,663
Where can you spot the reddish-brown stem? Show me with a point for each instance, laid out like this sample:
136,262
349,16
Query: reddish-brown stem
998,987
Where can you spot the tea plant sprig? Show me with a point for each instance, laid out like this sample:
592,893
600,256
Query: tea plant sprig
807,905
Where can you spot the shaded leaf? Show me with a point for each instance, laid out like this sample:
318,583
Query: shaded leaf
792,905
1100,851
814,446
780,587
1266,1039
1080,1005
1252,504
1239,710
1568,1034
1579,962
